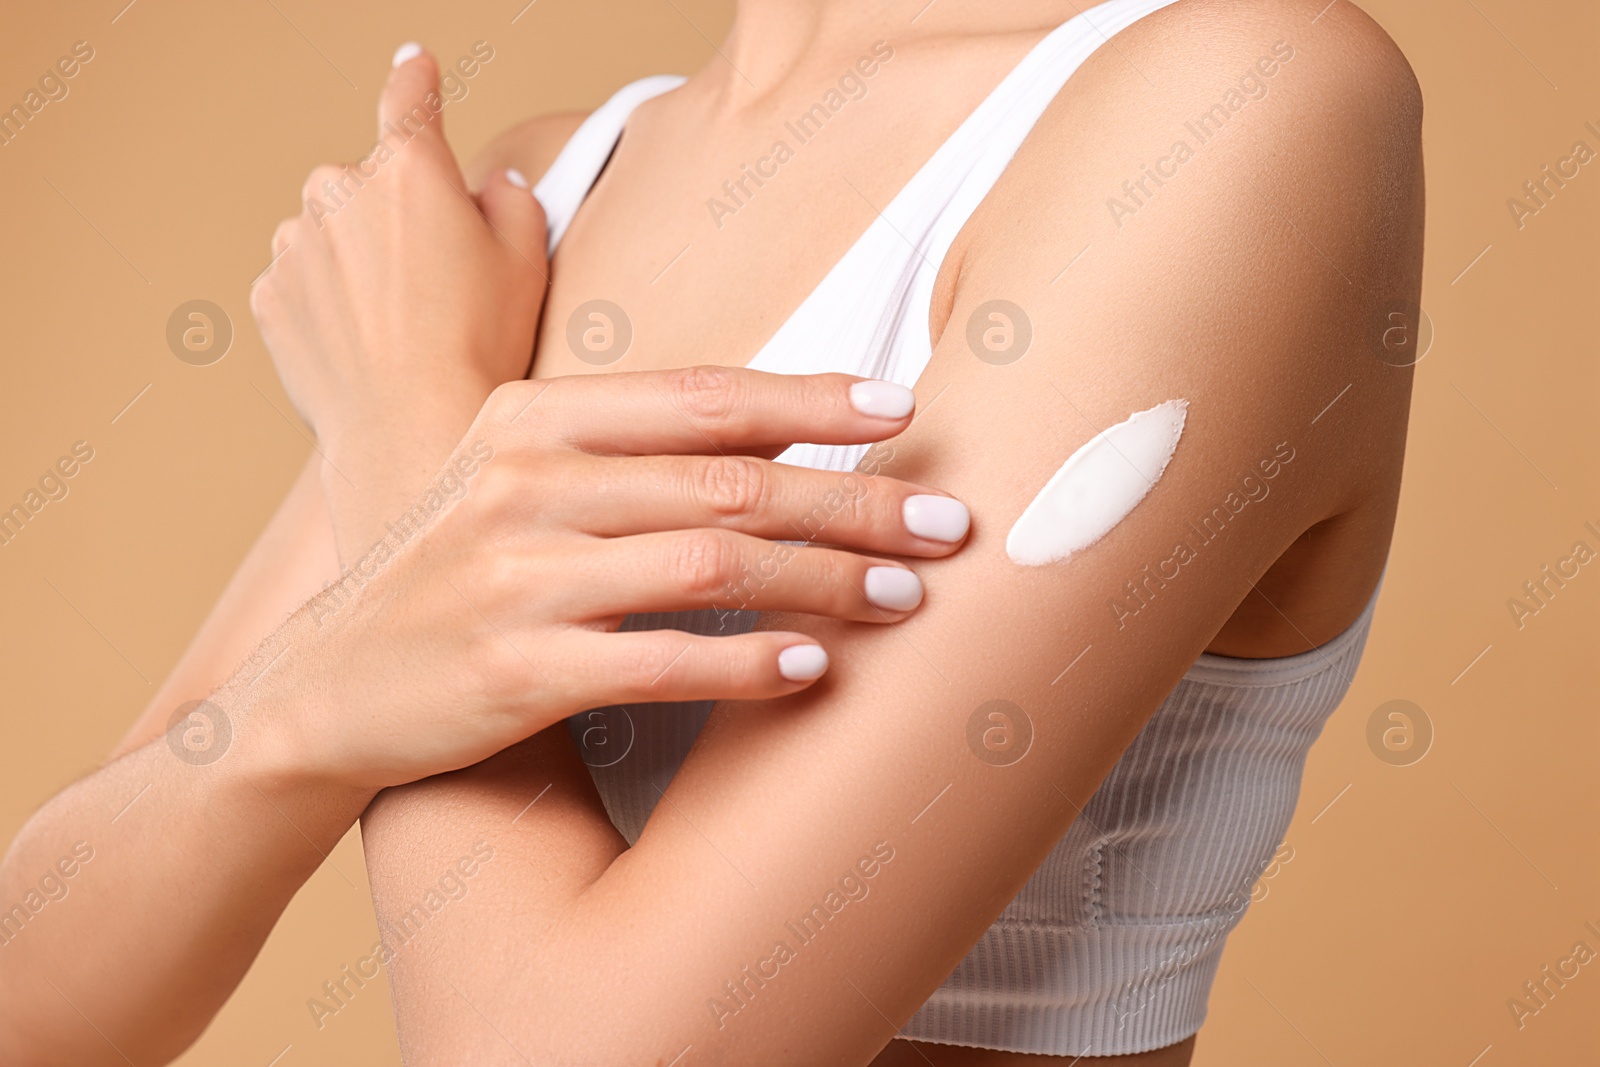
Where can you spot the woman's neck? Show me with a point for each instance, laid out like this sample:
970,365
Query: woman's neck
774,41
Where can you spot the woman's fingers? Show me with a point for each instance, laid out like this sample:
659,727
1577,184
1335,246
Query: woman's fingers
403,104
283,236
688,570
614,496
411,112
508,204
704,410
655,666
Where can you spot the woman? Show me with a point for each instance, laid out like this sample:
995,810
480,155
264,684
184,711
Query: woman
1013,823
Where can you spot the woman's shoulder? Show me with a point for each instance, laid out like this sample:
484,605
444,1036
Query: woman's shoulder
1221,136
1190,39
1216,89
530,146
1223,204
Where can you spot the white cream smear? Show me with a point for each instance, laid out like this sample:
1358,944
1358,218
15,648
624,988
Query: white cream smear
1098,486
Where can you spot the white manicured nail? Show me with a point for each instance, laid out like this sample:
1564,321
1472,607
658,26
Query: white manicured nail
405,53
938,518
893,588
884,400
516,177
802,663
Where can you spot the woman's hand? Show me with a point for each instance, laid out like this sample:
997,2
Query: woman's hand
394,283
484,615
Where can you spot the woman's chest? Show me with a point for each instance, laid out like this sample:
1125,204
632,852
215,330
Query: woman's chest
701,238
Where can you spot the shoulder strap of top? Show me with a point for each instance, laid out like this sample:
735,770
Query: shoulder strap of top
944,195
887,277
567,182
955,179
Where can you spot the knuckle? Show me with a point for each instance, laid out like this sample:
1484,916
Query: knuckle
312,188
504,577
283,236
503,402
263,301
851,504
506,409
733,485
703,563
494,495
707,392
504,675
484,505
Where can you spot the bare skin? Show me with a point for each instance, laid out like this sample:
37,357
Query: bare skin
1313,588
651,187
575,918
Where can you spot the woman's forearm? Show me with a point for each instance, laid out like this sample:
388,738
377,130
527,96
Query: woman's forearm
137,898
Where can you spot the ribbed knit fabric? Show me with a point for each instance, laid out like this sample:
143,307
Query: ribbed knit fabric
1112,946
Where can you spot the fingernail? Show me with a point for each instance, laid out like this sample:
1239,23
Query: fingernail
938,518
884,400
405,53
893,588
802,663
516,177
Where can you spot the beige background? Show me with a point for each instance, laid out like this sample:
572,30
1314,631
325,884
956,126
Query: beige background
1418,898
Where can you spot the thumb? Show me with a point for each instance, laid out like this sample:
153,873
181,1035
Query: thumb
410,108
510,207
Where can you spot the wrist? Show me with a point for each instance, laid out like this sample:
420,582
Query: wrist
372,477
415,437
275,745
